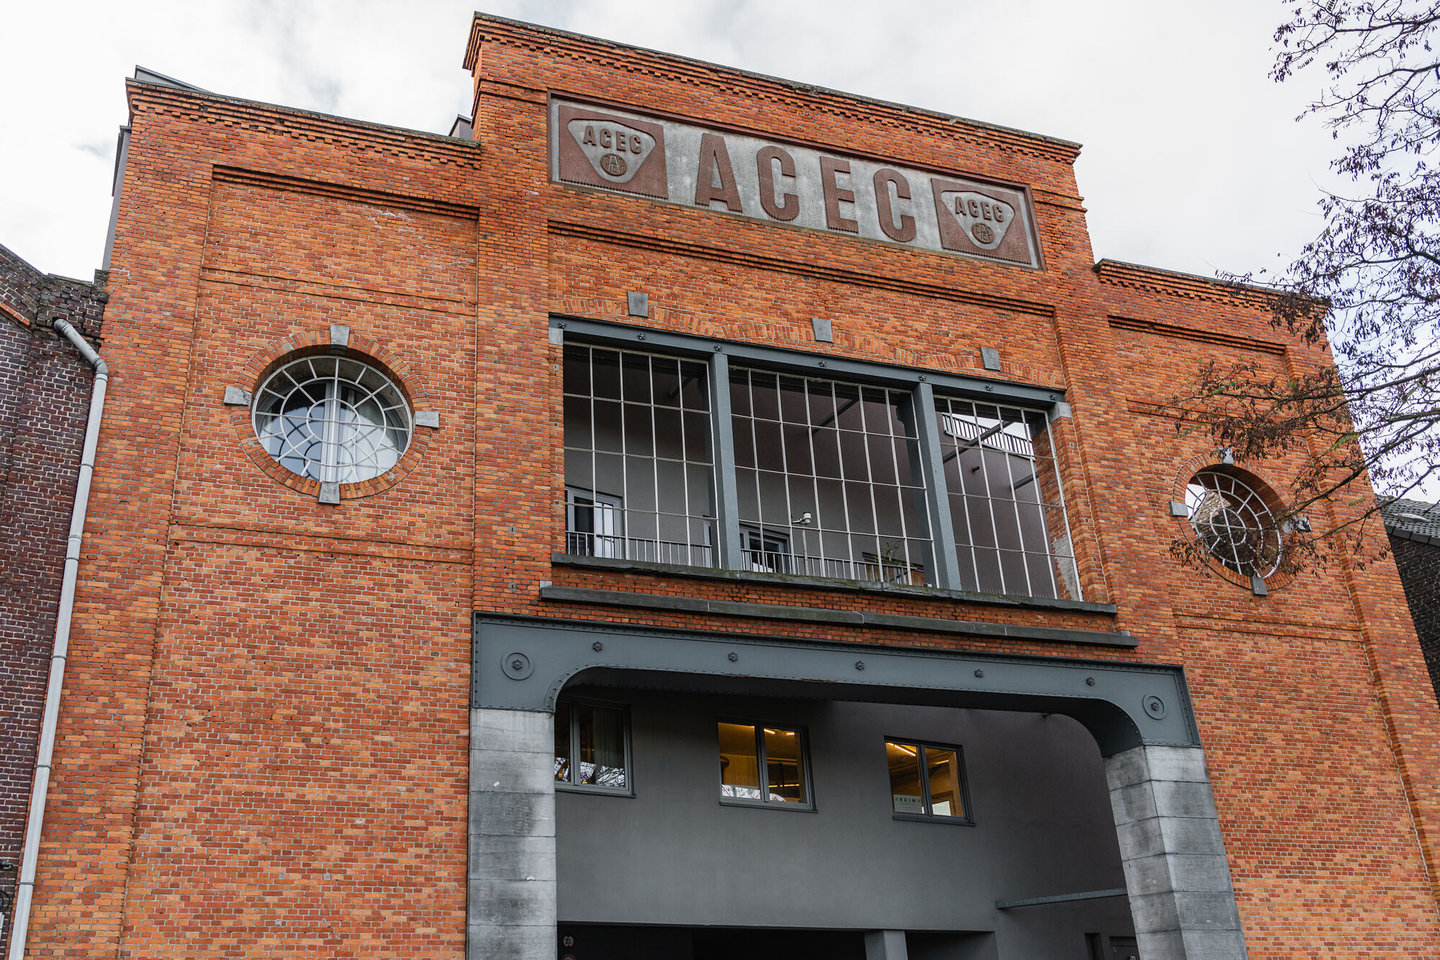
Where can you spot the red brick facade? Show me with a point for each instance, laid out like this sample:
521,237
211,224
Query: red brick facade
263,747
44,395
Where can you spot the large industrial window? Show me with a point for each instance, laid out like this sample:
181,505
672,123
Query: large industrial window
870,474
592,746
823,474
763,764
927,781
638,465
1005,508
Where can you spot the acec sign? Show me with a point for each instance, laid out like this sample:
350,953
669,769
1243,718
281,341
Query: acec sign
787,183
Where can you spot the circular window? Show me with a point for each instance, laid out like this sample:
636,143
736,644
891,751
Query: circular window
332,419
1234,523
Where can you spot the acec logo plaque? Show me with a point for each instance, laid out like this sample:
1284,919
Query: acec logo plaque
976,221
619,153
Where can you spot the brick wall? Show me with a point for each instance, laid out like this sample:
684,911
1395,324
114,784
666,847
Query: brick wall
267,698
44,399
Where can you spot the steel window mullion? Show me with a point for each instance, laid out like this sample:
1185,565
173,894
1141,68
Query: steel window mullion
990,505
1049,552
931,471
870,486
929,806
684,458
654,453
845,478
784,475
762,771
1015,507
1064,512
815,525
900,494
595,457
727,500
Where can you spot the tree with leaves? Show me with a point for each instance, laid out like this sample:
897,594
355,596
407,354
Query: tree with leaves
1370,282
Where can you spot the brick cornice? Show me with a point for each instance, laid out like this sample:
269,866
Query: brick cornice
617,56
304,124
1186,285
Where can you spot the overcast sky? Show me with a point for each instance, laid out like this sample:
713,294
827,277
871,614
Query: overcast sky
1191,161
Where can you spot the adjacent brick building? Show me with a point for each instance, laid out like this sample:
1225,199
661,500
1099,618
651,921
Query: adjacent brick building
44,398
1413,527
701,514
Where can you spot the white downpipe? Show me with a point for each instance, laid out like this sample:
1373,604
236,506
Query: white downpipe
25,889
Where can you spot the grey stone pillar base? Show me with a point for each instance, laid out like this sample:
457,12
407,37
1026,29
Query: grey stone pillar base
510,900
885,945
1174,858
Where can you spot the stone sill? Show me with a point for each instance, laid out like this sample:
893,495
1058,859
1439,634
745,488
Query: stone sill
825,583
845,618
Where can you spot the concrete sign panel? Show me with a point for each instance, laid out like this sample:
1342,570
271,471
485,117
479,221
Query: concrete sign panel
787,183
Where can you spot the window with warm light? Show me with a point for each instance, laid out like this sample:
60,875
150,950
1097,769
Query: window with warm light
763,765
927,781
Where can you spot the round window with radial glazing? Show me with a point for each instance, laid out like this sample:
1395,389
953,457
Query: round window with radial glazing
332,419
1234,522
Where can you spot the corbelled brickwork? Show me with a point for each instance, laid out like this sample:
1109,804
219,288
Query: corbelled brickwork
44,395
264,745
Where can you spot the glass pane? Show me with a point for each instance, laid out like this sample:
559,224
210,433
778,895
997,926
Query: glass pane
694,387
784,765
943,766
639,429
666,373
562,741
636,377
605,374
739,767
602,746
906,793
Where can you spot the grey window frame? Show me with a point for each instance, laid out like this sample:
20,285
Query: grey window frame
570,785
765,802
941,566
964,776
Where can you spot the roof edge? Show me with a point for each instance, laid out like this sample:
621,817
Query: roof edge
1067,150
1193,285
198,94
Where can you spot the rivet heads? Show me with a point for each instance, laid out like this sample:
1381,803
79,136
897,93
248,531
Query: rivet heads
734,656
516,665
979,674
562,324
597,646
639,336
1089,681
822,363
1155,707
859,664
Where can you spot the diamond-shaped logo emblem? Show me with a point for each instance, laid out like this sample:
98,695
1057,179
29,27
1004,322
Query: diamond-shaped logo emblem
616,151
